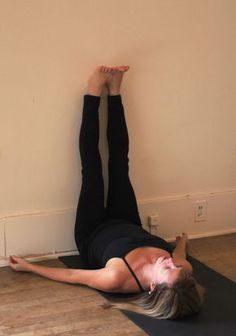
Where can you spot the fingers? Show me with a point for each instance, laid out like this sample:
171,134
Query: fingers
183,236
15,259
18,263
13,262
18,260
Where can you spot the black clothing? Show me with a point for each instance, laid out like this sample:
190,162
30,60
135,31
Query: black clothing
112,231
116,238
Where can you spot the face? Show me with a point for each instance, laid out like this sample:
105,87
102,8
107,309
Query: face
169,271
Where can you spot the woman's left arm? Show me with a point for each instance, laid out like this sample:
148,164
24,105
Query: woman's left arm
180,249
103,279
179,253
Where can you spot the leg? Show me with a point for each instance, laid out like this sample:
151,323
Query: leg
121,200
90,211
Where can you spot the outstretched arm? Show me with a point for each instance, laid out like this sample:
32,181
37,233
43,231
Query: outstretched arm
103,279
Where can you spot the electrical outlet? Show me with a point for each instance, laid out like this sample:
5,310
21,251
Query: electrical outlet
153,222
200,211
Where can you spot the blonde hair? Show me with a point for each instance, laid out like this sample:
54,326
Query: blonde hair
183,298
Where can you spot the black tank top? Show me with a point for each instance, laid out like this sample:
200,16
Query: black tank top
134,275
116,238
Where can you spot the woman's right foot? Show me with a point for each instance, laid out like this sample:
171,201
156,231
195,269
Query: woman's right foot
98,79
114,80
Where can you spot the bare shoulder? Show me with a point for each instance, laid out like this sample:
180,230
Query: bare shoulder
119,273
125,282
106,279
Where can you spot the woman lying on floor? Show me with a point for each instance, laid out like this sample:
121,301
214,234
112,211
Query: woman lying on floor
121,256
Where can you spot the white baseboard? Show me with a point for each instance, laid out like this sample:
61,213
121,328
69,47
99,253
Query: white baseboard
39,233
41,257
177,214
56,255
2,239
49,234
207,234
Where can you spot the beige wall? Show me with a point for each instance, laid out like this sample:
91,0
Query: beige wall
179,95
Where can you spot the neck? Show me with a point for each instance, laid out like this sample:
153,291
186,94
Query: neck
148,272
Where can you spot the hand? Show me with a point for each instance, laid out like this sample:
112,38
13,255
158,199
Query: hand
184,237
18,264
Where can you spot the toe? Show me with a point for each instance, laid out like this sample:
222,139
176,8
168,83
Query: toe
123,68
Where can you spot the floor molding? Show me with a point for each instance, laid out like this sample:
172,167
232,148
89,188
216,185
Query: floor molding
52,256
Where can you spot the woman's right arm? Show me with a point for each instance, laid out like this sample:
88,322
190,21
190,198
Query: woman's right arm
103,279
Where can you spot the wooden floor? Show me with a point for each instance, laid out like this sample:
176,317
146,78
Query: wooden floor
31,305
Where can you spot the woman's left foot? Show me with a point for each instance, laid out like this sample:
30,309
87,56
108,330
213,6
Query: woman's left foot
98,79
113,82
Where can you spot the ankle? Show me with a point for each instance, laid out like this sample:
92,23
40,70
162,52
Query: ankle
94,91
114,92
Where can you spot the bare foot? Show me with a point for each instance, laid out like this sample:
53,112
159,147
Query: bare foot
98,79
114,80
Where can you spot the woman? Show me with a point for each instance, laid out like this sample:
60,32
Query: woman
121,256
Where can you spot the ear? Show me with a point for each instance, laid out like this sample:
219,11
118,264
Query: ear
152,285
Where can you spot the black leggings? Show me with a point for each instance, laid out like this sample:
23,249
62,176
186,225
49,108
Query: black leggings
121,201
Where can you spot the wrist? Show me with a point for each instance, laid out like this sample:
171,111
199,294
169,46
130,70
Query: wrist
30,267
